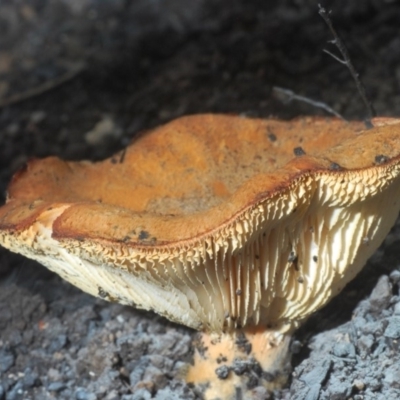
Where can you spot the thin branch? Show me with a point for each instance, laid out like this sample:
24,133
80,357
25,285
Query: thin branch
346,60
293,96
334,56
45,87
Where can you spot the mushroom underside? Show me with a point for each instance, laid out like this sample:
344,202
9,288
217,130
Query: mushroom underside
272,265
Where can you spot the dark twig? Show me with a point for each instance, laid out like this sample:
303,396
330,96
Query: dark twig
290,95
45,87
346,61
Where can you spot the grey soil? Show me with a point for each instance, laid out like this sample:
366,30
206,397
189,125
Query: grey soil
80,78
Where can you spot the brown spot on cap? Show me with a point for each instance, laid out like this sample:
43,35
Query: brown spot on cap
381,159
272,137
298,151
335,167
143,235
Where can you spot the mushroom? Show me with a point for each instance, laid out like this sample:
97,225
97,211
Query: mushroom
239,228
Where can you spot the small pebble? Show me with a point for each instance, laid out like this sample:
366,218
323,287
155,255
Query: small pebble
338,390
56,387
381,295
141,394
364,344
103,129
58,343
82,394
6,360
392,331
318,374
30,379
295,347
359,384
344,349
16,392
392,376
396,308
374,384
395,276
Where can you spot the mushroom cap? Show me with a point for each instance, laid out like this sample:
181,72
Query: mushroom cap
215,222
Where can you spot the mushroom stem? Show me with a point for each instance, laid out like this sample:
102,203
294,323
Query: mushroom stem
229,365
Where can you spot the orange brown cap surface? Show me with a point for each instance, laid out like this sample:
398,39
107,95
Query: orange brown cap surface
216,222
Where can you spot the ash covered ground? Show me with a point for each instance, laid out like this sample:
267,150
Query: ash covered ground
79,79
